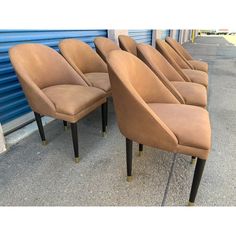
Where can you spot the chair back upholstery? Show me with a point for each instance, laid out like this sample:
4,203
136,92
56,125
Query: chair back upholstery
161,67
179,48
128,44
104,46
173,58
82,57
37,67
134,85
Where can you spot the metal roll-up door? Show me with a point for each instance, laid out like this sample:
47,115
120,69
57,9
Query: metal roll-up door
141,36
13,104
165,33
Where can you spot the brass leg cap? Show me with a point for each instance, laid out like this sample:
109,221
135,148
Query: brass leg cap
193,161
140,153
190,203
129,178
76,159
44,142
104,134
66,128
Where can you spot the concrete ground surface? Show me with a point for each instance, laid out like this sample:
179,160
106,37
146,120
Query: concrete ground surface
36,175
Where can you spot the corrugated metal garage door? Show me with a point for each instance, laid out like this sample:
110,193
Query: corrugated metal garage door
141,36
165,33
13,103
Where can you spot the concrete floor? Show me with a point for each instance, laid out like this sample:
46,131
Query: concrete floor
36,175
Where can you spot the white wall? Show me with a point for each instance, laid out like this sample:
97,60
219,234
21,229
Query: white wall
113,34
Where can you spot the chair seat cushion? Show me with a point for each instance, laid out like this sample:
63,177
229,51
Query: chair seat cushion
190,124
99,80
72,99
199,65
193,94
197,76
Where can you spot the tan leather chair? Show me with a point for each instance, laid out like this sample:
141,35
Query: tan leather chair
189,93
104,46
196,64
128,44
186,92
186,70
87,63
148,113
53,88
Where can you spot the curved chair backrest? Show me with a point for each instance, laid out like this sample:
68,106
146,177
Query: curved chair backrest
128,44
42,65
104,46
37,67
173,58
134,85
179,48
167,49
161,67
82,57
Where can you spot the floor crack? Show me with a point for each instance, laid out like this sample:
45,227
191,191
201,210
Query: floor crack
168,182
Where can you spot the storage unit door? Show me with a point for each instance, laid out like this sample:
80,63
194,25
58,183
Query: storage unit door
13,104
141,36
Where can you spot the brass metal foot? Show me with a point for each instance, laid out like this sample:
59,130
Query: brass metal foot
193,161
190,203
44,142
76,159
140,153
104,134
129,178
65,128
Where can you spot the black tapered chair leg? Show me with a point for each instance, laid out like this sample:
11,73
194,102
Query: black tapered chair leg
106,112
104,119
40,127
65,125
129,149
74,133
196,180
140,149
193,160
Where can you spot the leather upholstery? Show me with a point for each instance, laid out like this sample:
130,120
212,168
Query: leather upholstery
178,48
186,92
190,125
184,54
67,103
99,80
199,65
148,113
192,93
197,76
104,46
128,44
180,65
51,85
87,63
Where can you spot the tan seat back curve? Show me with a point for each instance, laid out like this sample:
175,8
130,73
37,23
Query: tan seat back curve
82,57
104,46
134,85
128,44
